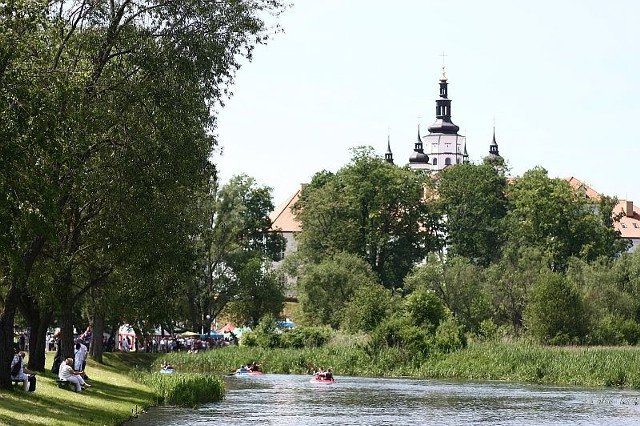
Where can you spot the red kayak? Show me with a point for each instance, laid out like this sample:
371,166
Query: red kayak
322,380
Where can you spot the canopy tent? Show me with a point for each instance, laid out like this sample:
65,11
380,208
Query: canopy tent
212,335
227,328
189,334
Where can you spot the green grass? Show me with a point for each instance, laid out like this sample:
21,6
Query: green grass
111,400
123,384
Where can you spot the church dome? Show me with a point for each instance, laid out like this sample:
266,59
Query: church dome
444,126
418,157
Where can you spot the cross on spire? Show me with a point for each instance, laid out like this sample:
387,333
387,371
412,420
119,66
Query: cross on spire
443,56
444,74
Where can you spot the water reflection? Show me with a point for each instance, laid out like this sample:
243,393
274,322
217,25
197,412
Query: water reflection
292,400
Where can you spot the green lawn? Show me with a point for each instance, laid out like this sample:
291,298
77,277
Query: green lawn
110,401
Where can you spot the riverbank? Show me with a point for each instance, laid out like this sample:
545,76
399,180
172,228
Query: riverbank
516,362
115,395
112,399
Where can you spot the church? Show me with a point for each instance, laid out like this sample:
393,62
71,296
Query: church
443,147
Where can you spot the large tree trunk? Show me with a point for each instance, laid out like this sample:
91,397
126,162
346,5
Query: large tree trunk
7,350
39,323
38,343
97,348
7,316
66,315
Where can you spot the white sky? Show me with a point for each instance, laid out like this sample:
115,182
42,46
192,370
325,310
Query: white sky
561,79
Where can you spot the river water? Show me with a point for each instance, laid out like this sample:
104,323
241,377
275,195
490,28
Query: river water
274,399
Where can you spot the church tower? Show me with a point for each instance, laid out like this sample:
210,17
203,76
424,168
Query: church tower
493,147
388,156
419,160
445,146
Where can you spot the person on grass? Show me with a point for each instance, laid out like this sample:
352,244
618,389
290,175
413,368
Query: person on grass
19,372
69,374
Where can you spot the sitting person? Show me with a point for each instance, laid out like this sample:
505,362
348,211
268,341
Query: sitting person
19,372
328,375
69,374
167,366
254,366
242,370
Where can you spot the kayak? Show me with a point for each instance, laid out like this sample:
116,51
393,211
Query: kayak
322,381
166,370
247,373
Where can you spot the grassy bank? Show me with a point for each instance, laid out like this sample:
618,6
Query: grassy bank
111,400
119,387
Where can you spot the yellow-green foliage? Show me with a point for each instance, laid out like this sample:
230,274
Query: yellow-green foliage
185,389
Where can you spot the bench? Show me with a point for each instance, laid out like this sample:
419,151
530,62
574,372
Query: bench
63,384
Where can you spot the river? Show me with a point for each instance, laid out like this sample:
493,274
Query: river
274,399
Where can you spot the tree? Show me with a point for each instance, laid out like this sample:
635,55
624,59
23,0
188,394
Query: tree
236,244
549,214
508,283
93,91
458,283
261,294
474,204
368,307
555,312
325,288
372,209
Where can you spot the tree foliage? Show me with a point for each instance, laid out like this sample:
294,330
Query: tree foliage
555,312
474,204
372,209
325,288
107,114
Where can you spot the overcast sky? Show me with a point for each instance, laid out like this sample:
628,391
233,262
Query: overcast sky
560,78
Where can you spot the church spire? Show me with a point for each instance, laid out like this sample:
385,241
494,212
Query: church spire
493,147
388,156
443,123
465,156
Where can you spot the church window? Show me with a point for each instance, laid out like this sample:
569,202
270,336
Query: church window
447,161
623,225
457,161
635,225
435,161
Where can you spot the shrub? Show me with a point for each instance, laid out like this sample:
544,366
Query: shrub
297,338
450,336
187,390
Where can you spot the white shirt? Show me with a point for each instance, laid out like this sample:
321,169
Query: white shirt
65,372
79,357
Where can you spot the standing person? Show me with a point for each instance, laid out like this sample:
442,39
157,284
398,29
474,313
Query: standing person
69,374
80,356
126,347
20,373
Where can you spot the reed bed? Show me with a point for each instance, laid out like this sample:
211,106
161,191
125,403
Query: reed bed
184,389
520,362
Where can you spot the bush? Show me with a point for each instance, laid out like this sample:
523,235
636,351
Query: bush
555,313
186,390
615,330
425,309
450,336
399,332
297,338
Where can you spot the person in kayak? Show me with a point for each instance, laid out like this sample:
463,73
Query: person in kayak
328,375
254,367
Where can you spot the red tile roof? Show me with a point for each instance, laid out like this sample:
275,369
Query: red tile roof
283,219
